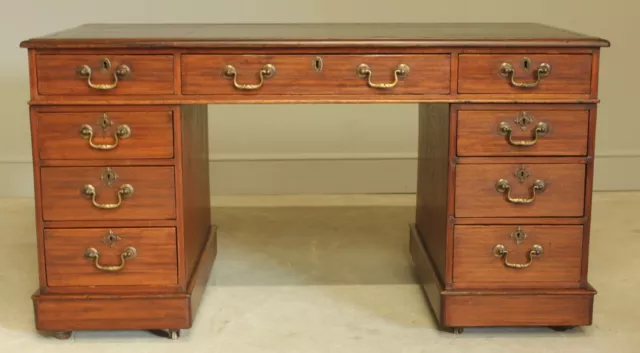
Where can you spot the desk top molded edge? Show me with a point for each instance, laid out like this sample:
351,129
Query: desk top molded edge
313,35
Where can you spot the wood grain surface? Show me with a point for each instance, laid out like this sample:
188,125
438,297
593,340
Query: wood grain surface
529,35
432,197
150,74
479,134
473,260
476,194
151,135
153,197
296,75
521,309
155,263
569,74
112,312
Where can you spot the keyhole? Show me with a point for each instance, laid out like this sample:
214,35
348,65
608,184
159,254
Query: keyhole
526,64
105,64
317,64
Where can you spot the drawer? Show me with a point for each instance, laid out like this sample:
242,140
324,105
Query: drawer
309,74
107,193
107,135
86,75
520,190
111,257
524,74
510,256
516,132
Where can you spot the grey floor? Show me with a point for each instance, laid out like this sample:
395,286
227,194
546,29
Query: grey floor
330,274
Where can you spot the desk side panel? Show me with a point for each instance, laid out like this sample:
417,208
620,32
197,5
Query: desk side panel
196,209
432,189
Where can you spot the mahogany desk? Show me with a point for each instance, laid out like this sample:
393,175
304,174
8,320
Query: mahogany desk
506,145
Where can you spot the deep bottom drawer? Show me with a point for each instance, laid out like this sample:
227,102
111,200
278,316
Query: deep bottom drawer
528,256
111,257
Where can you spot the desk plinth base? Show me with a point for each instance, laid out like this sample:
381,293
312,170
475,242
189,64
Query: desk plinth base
457,309
172,311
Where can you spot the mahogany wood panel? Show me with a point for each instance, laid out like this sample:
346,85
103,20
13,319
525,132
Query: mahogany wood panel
42,273
155,262
297,75
200,276
432,192
569,73
476,194
473,260
153,197
426,273
149,75
524,309
196,209
479,133
111,312
151,135
324,35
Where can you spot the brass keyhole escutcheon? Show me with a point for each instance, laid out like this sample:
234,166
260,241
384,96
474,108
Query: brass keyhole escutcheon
522,174
317,64
104,122
519,235
108,176
111,238
523,120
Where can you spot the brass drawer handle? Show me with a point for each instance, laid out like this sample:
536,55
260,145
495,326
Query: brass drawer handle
123,192
121,72
267,72
402,70
507,70
503,186
129,253
122,132
501,251
541,129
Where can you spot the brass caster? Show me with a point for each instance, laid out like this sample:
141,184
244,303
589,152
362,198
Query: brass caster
174,334
458,330
63,335
561,328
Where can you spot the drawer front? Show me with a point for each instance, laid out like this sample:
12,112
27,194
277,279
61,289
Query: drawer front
514,132
520,190
86,75
504,256
506,73
105,135
111,257
332,74
107,193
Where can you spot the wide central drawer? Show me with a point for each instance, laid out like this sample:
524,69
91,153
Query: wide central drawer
520,190
321,75
509,256
111,257
108,193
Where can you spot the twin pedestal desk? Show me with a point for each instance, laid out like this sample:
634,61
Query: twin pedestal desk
507,117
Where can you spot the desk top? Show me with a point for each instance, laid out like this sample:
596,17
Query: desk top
314,35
